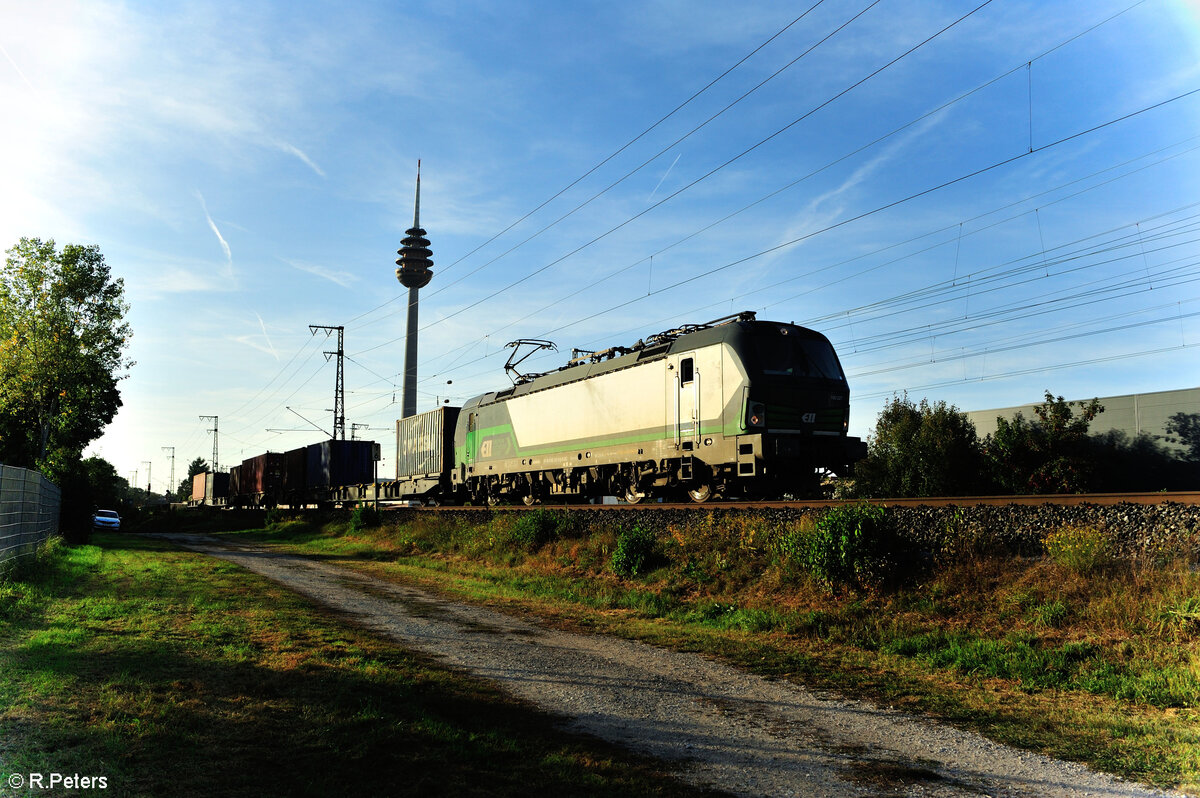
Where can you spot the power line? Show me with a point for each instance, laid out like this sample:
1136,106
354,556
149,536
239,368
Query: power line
703,177
954,226
664,150
616,152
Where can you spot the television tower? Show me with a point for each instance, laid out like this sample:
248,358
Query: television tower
414,274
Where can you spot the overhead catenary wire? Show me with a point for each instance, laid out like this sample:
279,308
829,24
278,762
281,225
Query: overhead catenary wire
698,180
835,314
954,226
615,153
460,350
961,97
665,149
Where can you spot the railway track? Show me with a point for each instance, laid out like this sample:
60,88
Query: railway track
1066,499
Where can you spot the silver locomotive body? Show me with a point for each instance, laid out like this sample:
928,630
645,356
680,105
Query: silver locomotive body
736,407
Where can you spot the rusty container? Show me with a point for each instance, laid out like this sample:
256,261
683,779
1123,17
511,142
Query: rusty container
263,475
295,470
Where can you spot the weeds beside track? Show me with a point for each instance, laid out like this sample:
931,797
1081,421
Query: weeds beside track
1070,650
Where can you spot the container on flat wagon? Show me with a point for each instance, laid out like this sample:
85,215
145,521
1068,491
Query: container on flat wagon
333,463
235,481
198,486
425,443
207,486
295,468
219,483
262,474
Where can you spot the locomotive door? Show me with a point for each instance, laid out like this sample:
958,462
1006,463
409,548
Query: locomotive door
685,387
471,442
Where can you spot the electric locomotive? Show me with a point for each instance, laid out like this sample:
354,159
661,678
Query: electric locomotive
734,407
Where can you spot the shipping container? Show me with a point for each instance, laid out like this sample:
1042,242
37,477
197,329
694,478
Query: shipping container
295,467
425,443
235,482
208,487
262,476
333,463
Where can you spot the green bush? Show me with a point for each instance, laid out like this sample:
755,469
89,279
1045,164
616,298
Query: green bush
535,529
636,550
364,517
850,546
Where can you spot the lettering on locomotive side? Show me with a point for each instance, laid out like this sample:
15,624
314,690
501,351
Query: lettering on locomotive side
809,418
485,449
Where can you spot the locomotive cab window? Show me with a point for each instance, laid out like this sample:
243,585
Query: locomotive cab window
686,371
798,357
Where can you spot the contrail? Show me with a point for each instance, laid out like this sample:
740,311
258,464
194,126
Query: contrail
264,332
664,177
291,149
19,72
221,238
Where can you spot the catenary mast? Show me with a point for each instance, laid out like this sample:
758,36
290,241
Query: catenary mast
414,274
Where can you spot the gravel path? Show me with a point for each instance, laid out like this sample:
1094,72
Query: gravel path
725,728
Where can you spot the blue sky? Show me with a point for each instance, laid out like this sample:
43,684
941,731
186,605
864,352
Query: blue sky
998,212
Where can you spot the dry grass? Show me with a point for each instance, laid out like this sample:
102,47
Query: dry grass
1088,658
171,673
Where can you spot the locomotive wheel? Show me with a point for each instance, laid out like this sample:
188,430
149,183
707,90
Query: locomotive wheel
529,500
701,493
632,496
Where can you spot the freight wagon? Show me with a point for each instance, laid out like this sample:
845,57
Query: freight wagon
329,472
209,488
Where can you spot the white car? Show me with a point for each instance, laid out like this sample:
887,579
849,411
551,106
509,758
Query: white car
106,519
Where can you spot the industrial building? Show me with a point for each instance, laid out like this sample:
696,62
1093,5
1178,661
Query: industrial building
1132,414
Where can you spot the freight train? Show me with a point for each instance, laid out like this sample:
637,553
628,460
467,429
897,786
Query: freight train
735,407
326,473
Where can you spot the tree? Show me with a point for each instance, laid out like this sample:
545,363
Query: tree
197,466
920,450
63,341
109,491
1049,455
1184,429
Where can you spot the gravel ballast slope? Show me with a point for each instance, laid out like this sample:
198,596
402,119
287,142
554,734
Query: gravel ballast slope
726,728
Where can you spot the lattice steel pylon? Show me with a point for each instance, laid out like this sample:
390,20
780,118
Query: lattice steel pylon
414,274
214,434
339,389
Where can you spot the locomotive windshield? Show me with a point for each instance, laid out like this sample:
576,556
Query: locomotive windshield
797,356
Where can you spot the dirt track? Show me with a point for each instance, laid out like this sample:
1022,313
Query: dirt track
728,729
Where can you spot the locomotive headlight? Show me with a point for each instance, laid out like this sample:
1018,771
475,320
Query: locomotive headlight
846,422
757,415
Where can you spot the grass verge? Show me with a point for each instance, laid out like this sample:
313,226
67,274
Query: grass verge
1097,664
171,673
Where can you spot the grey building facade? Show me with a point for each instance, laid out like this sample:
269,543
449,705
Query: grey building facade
1132,414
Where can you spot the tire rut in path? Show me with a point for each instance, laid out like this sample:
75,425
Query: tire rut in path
719,726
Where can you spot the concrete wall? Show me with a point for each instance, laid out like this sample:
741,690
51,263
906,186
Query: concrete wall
1132,414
